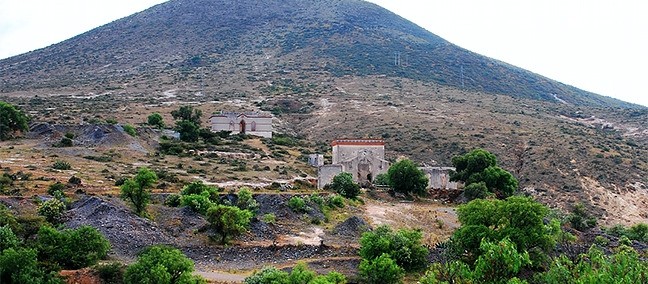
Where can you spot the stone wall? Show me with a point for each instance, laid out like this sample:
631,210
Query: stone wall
439,178
326,173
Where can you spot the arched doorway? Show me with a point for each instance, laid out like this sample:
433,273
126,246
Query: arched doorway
242,129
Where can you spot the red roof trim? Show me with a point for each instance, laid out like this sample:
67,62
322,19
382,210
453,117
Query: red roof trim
358,142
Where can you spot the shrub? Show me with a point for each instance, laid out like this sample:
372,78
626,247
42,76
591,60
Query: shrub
173,200
155,120
344,185
61,165
136,190
269,218
481,166
74,180
72,249
382,179
228,220
130,130
404,246
297,204
52,210
246,200
336,201
111,272
7,238
476,191
12,120
198,202
21,266
161,264
499,262
55,187
198,187
579,219
381,270
300,274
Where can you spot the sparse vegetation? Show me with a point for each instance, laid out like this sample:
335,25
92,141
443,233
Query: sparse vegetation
61,165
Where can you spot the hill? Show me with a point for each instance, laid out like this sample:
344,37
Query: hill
196,43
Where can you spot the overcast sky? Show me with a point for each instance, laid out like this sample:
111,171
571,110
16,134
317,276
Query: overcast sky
599,46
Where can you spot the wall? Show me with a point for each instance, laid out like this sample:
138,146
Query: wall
439,178
326,173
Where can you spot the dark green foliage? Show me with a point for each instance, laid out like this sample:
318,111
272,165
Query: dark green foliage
55,187
579,219
20,266
405,177
228,220
638,232
71,249
136,190
499,262
12,120
476,190
61,165
404,246
187,113
623,267
299,275
481,166
130,130
381,179
8,219
189,131
112,273
297,204
381,270
161,265
65,142
198,202
197,187
344,185
52,210
519,219
74,180
155,120
173,200
6,183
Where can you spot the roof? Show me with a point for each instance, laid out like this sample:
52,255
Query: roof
358,142
245,114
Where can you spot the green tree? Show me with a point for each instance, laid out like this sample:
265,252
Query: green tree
136,190
405,177
476,190
499,262
344,185
189,131
300,274
71,248
381,270
20,266
228,220
481,166
161,265
517,218
155,120
404,246
130,130
187,113
246,200
12,120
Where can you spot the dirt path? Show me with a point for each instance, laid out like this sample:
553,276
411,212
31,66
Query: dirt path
222,277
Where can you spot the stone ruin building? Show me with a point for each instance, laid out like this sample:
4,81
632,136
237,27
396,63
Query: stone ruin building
253,123
364,159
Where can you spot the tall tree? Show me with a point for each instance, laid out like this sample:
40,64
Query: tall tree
187,113
12,120
480,166
405,177
136,190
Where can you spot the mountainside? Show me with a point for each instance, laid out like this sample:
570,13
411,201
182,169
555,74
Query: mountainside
189,43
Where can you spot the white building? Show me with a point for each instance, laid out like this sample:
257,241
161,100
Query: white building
362,158
252,123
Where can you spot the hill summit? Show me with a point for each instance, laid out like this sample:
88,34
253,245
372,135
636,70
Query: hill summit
193,42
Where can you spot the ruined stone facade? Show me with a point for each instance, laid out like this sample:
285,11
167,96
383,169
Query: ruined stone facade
364,159
252,123
439,178
316,160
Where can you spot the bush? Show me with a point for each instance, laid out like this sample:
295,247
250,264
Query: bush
61,165
269,218
72,249
228,220
476,191
21,266
173,200
344,185
381,270
7,238
136,190
499,262
111,272
297,204
74,180
300,274
481,166
198,202
52,210
130,130
404,246
382,179
155,120
198,187
579,219
55,187
12,120
336,201
246,200
161,264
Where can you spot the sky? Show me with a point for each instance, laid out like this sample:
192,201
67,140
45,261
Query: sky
598,46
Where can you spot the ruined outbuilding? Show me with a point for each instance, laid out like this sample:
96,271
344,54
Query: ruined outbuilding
439,178
252,123
364,159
